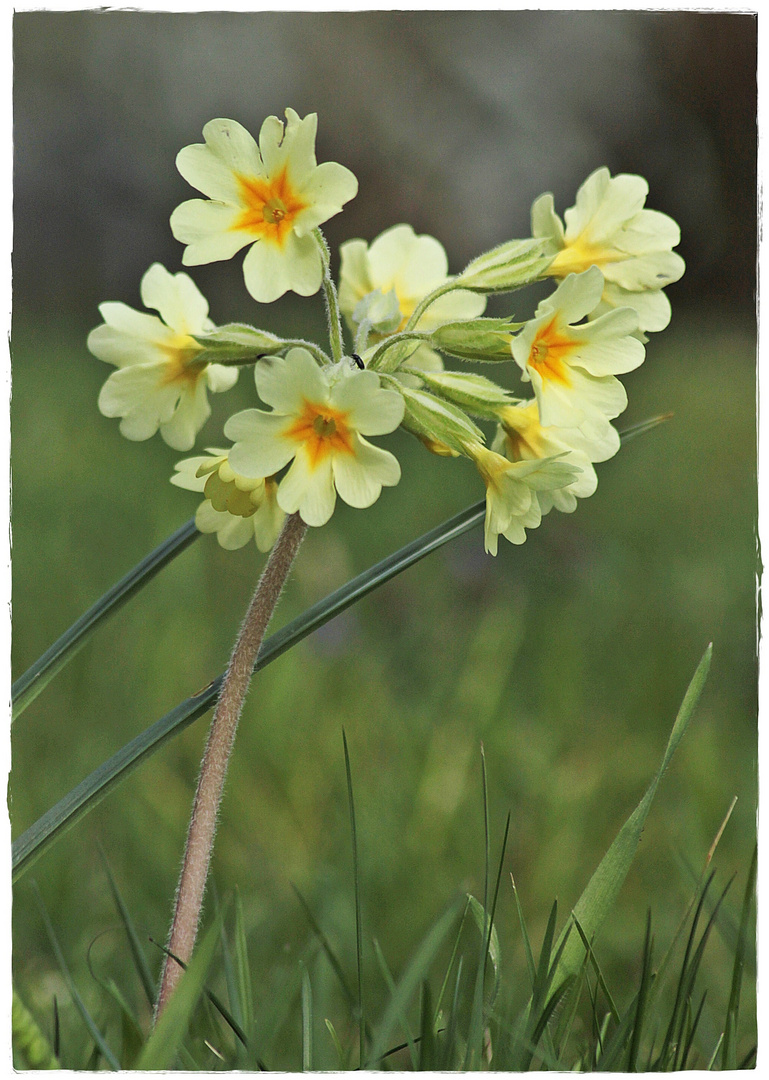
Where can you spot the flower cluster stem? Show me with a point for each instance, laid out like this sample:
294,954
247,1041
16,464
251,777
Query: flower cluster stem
202,827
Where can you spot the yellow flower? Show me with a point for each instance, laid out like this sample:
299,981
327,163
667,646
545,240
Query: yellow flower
609,228
319,418
271,196
512,487
572,367
236,508
158,384
393,274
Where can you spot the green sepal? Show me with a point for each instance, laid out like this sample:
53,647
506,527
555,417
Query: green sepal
434,419
510,266
389,355
476,339
474,393
237,343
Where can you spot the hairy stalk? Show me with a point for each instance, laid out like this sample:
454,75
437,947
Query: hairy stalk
332,300
202,828
424,303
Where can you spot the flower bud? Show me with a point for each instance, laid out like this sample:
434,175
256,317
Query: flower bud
510,266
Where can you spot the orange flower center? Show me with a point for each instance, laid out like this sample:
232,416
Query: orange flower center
549,354
322,430
270,207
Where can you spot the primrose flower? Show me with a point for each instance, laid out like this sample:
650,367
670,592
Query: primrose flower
521,437
572,368
158,384
271,196
400,269
512,488
319,418
609,228
236,508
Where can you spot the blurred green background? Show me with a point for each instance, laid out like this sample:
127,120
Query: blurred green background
566,658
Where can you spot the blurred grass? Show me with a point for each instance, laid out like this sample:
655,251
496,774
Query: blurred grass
566,657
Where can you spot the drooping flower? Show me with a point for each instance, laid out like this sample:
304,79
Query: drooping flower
158,384
236,508
609,228
512,489
400,269
521,437
572,367
271,196
319,418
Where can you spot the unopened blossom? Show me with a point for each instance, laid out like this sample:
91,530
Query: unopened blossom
521,437
271,196
237,508
158,383
402,268
318,422
609,227
572,364
512,489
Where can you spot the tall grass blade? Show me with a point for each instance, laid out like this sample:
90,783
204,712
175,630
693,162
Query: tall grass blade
326,946
242,969
449,1046
31,1049
100,1043
450,964
603,888
410,980
134,944
643,990
90,791
402,1017
530,966
427,1033
163,1045
475,1035
356,887
36,678
729,1056
307,1022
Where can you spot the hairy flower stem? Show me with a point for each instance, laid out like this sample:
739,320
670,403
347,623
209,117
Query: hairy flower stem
202,828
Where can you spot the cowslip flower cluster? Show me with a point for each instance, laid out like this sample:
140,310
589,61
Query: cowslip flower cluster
405,314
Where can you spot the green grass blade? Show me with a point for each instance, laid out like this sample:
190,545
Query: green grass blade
100,1043
307,1022
28,1041
603,888
402,1017
164,1043
635,1037
36,678
530,966
324,943
89,793
729,1059
243,970
356,887
134,944
475,1036
409,982
450,964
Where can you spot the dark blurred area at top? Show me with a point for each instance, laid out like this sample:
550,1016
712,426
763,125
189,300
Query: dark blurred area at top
452,121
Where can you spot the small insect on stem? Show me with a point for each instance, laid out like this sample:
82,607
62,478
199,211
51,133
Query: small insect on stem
359,363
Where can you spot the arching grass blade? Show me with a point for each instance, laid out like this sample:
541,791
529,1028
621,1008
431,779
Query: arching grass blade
69,810
36,678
